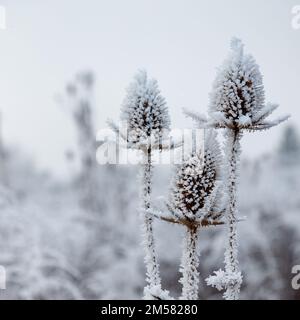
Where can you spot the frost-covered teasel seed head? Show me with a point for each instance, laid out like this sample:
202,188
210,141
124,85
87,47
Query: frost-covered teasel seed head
196,183
144,110
238,91
237,100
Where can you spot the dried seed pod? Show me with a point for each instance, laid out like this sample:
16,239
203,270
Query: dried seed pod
197,180
238,91
144,110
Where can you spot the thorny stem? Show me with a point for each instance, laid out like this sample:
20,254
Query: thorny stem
189,265
231,253
152,267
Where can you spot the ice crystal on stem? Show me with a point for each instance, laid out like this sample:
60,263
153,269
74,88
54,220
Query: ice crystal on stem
189,265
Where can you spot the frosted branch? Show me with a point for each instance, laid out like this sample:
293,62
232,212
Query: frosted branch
152,266
189,266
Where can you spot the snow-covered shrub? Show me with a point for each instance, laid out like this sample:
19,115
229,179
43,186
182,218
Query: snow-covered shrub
80,103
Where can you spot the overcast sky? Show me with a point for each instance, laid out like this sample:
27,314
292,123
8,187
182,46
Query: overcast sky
179,42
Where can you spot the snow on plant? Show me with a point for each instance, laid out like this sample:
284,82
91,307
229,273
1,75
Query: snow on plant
237,104
146,117
145,111
195,201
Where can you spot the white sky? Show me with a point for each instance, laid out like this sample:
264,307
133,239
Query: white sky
179,42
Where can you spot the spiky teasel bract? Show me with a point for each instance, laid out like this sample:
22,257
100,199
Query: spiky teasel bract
144,110
197,182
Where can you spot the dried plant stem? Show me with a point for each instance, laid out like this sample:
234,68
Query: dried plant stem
231,253
189,265
152,266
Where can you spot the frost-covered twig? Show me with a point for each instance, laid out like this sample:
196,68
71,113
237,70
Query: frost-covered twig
152,267
189,265
231,251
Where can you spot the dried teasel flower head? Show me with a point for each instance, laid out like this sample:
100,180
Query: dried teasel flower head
197,182
144,110
237,100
